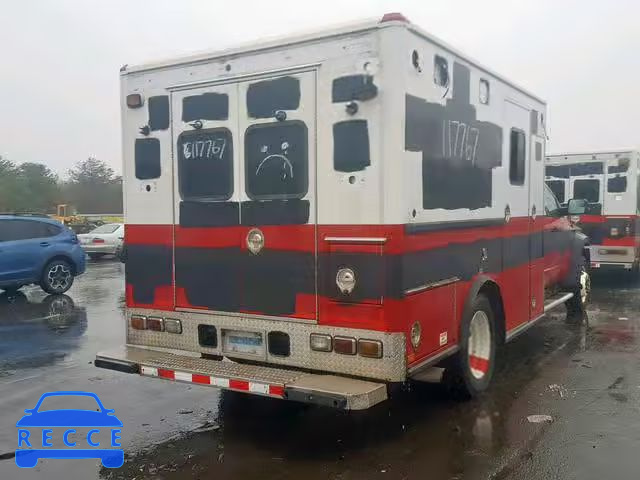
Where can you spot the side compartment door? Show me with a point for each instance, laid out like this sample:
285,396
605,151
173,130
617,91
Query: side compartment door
277,126
518,250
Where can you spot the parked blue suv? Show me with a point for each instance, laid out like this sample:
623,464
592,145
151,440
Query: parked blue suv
38,250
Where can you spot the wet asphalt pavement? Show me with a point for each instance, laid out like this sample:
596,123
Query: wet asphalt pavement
584,375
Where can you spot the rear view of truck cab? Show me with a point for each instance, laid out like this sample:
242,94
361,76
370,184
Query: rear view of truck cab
317,217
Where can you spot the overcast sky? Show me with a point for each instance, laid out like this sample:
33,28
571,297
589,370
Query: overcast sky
60,59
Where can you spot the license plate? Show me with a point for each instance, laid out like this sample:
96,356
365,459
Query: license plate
244,343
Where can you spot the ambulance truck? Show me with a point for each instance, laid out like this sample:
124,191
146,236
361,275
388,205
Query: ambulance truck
318,217
610,182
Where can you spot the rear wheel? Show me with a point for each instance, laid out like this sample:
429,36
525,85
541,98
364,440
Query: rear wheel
472,369
57,277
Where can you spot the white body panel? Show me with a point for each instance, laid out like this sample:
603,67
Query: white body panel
388,190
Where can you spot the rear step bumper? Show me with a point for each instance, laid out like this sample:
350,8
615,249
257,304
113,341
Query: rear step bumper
328,390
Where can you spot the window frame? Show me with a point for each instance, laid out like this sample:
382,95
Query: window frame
440,61
519,180
484,81
548,194
44,227
614,179
598,180
142,171
289,196
179,160
564,189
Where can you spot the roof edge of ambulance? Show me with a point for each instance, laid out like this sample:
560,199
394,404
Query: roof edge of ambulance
273,42
611,151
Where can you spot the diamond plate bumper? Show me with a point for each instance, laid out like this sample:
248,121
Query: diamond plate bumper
329,390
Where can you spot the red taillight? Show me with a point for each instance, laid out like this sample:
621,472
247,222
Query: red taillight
155,323
138,322
344,345
98,240
394,17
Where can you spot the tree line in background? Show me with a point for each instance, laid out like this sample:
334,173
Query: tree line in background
91,187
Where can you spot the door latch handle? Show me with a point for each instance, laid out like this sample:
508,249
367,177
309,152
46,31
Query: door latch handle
44,244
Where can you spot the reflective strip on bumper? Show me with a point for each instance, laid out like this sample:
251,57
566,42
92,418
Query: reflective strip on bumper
269,381
230,383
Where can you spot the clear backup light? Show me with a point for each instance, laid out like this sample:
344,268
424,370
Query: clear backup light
138,322
171,325
346,280
320,342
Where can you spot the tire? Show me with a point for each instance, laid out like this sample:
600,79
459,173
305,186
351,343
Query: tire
57,277
577,305
471,370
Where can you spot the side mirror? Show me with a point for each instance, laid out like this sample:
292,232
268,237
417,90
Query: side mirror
577,206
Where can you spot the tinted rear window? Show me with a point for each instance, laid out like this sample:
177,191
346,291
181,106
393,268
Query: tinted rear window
205,164
11,230
587,189
276,162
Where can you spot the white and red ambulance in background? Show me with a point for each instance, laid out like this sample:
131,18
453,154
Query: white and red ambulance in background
317,217
609,181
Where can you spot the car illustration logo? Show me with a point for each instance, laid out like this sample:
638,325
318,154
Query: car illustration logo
84,433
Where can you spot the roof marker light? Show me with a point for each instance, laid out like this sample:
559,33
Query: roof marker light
394,17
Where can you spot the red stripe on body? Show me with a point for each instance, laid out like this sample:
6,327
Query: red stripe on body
593,219
302,237
620,242
148,234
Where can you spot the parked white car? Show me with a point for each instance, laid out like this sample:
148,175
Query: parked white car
103,240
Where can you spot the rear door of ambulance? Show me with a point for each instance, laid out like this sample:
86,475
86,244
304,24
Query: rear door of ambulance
245,200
